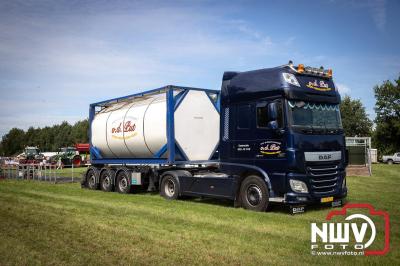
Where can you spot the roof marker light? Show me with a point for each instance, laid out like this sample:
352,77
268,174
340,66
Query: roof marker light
300,68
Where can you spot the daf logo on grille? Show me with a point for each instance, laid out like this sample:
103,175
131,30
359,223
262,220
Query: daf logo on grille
322,156
325,157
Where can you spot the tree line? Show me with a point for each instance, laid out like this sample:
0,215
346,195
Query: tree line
46,138
385,132
385,129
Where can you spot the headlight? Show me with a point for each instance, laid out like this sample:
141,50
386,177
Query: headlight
298,186
291,79
344,183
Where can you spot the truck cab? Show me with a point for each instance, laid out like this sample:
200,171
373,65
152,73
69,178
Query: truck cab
285,121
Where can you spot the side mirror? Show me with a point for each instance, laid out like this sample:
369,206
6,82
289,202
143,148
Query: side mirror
273,125
272,112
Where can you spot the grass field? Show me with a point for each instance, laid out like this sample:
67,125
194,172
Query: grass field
42,223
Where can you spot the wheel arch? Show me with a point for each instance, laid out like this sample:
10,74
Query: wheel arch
242,171
176,174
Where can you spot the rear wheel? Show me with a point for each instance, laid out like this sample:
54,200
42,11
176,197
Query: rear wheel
77,161
390,162
91,179
106,181
169,187
123,185
254,194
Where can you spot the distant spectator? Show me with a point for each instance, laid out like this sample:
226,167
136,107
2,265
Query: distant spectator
59,164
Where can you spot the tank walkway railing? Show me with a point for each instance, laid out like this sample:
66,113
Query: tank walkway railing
42,172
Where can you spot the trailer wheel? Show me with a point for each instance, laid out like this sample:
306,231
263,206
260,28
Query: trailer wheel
106,181
169,188
123,185
91,179
254,194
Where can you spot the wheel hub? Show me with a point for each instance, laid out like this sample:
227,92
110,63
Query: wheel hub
169,188
254,195
107,181
92,181
123,184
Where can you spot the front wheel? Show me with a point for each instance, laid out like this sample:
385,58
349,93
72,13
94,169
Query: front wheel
169,187
254,194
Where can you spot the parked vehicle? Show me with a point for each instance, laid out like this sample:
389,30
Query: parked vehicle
391,159
67,156
269,135
30,155
83,150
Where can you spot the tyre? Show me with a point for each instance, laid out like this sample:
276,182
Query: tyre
169,188
123,185
91,180
390,162
106,183
254,194
77,161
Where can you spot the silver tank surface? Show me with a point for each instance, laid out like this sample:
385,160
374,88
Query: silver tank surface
137,128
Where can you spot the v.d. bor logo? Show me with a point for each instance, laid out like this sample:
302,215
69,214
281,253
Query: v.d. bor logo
352,237
270,147
124,128
318,85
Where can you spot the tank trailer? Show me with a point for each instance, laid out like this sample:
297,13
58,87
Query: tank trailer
272,135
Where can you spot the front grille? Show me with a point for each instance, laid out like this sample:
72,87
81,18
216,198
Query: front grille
324,178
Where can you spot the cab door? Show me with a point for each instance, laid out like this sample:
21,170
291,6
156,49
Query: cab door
270,144
243,137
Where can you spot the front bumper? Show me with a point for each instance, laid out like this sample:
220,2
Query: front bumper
292,198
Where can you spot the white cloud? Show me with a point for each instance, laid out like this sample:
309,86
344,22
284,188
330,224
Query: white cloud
343,89
378,12
376,8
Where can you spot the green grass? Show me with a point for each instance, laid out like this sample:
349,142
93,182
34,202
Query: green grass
42,223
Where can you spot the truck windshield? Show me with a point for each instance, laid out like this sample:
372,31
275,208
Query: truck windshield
314,115
32,152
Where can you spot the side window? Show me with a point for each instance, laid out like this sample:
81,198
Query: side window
243,115
398,155
262,115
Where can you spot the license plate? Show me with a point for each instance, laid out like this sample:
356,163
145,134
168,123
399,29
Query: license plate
327,199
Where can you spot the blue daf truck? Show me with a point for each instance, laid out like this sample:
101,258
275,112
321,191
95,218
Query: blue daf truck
272,135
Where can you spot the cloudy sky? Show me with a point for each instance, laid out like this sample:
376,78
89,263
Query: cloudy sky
56,57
